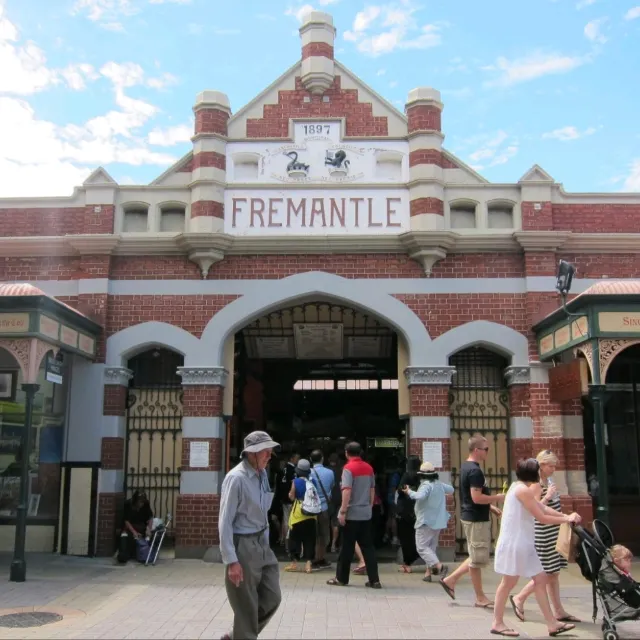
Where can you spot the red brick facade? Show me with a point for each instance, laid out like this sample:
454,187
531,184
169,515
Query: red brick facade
431,156
424,118
209,159
211,121
207,208
321,49
426,205
198,518
360,120
112,453
215,454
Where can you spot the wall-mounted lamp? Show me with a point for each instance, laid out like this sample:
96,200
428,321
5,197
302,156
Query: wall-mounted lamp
566,271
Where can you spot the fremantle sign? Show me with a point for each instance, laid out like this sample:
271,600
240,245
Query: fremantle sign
316,212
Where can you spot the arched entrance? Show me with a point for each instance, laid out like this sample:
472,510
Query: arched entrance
479,403
622,445
316,375
153,443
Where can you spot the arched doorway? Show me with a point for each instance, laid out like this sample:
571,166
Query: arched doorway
316,375
153,446
479,403
622,445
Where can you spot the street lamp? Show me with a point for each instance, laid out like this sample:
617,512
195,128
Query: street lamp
18,570
597,397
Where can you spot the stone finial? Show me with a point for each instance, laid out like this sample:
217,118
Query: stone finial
212,100
318,36
424,95
424,110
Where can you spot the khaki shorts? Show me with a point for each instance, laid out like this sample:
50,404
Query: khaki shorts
323,528
478,535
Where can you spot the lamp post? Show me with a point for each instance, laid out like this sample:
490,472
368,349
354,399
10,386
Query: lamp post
18,571
597,398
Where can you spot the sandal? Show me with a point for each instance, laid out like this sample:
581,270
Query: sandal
291,568
404,569
568,618
563,629
334,582
373,585
486,605
427,578
360,571
448,590
507,633
519,613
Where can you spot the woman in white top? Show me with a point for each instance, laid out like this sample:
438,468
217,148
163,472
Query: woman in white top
516,555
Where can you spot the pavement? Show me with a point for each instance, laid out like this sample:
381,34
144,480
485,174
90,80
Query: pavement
186,599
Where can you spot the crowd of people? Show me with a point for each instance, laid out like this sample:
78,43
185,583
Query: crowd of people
316,504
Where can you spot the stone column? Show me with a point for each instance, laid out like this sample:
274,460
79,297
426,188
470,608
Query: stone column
112,457
426,162
198,505
429,422
521,427
208,167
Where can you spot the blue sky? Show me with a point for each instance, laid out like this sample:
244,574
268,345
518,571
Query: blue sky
112,82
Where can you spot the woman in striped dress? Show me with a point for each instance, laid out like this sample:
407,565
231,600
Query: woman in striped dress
546,538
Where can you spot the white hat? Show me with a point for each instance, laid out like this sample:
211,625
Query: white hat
426,468
258,441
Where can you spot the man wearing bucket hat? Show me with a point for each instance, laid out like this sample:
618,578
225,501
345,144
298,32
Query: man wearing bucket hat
252,576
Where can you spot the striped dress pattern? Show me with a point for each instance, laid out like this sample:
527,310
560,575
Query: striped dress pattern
546,538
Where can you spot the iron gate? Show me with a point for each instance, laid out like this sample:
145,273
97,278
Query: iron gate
479,403
154,429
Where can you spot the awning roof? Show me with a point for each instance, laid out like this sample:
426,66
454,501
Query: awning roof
623,291
24,289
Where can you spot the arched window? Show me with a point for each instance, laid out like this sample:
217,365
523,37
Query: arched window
500,214
172,217
462,214
136,217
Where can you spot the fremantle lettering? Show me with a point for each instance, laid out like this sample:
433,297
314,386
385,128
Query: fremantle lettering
287,213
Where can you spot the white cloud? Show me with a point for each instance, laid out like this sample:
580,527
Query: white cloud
161,82
41,158
108,13
170,136
492,149
632,181
585,3
632,14
564,134
381,72
378,30
324,3
299,13
592,30
531,67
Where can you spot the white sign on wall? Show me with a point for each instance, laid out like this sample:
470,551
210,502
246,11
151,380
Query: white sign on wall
432,452
319,155
316,212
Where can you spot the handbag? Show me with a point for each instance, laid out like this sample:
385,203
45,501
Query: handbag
567,542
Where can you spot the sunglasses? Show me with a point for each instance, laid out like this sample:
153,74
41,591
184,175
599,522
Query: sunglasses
483,448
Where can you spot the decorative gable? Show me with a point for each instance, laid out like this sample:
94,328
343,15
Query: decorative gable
536,174
99,177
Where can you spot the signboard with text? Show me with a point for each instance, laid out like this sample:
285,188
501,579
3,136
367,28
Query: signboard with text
316,212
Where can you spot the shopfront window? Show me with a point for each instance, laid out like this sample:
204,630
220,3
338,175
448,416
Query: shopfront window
47,441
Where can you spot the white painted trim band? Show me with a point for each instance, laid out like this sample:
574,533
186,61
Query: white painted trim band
429,427
200,482
202,427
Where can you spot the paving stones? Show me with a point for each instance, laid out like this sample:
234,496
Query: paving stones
187,599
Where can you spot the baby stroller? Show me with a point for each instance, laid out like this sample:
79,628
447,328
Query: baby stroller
618,594
159,531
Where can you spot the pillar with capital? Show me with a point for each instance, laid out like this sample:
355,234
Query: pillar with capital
203,433
429,431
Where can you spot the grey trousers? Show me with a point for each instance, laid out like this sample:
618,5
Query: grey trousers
258,597
427,543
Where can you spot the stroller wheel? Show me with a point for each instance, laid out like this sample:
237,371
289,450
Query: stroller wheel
610,634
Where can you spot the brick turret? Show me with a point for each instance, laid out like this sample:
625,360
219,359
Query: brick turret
318,35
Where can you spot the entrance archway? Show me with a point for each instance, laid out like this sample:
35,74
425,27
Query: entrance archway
313,286
316,375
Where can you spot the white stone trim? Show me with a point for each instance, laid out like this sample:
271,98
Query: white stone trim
540,372
573,427
318,286
429,375
577,482
214,376
521,427
200,482
117,375
110,480
496,336
517,375
203,427
113,427
93,286
126,343
429,427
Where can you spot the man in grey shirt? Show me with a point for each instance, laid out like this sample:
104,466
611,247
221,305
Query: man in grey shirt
252,576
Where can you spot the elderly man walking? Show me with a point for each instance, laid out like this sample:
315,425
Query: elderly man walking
252,576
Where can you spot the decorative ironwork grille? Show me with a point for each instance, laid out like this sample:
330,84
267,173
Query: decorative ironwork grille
154,429
479,403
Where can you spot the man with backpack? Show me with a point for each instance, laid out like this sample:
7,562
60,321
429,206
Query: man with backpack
324,480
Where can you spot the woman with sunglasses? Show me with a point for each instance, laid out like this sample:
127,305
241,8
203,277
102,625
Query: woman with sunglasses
546,494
